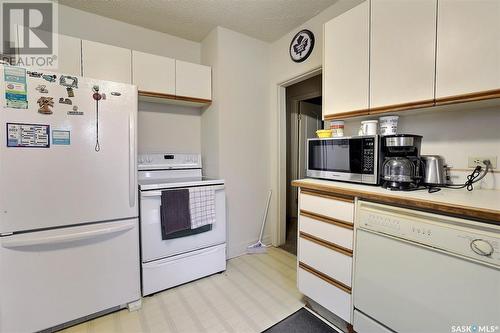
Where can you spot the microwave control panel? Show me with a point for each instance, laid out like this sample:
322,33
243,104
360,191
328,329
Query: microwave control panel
369,155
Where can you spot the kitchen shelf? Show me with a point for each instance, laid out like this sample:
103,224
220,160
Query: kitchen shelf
470,101
148,96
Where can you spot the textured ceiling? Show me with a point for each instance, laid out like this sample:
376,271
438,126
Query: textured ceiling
267,20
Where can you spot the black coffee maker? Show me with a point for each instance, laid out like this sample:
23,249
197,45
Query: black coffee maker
402,166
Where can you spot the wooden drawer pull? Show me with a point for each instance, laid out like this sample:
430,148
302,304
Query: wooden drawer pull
326,219
325,277
326,195
327,244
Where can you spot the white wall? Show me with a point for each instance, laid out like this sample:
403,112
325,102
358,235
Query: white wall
454,134
210,116
168,128
84,25
282,69
161,127
241,77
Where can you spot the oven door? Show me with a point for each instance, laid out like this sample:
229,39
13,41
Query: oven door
154,247
345,159
409,287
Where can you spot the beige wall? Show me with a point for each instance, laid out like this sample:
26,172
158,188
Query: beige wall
168,128
161,127
453,134
236,127
282,69
84,25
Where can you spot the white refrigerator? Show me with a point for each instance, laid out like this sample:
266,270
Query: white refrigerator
69,243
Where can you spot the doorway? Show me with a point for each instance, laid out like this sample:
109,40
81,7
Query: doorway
303,118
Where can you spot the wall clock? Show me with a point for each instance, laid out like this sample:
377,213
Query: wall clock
302,45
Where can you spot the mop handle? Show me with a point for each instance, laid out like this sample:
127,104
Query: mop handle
265,215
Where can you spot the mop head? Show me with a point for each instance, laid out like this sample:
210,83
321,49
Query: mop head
258,247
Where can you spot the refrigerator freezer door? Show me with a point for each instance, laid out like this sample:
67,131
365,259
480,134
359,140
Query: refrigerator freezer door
55,276
70,183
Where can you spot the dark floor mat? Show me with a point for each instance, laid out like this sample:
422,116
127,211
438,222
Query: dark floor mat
301,321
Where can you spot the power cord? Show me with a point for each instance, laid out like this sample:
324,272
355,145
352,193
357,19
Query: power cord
473,178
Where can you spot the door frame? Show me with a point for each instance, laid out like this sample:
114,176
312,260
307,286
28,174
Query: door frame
280,228
295,108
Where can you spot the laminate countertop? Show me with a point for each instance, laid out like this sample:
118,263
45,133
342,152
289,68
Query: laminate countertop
479,204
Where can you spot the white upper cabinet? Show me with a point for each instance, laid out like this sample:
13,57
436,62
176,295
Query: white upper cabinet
402,55
68,52
193,80
346,61
69,56
153,73
468,47
106,62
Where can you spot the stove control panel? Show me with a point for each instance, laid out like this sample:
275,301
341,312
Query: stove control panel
168,161
440,232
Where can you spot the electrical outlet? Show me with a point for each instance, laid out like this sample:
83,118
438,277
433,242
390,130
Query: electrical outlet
474,161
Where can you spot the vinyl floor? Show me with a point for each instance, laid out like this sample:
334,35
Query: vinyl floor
256,292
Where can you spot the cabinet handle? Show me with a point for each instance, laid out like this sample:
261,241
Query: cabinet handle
327,244
325,277
329,220
326,195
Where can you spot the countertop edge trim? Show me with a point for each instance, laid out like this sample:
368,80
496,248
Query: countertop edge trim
431,206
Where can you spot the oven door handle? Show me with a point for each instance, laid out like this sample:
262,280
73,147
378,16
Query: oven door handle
145,194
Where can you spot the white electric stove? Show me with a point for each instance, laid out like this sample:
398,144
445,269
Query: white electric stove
171,262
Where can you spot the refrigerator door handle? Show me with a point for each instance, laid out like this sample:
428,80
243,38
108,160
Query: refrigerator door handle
131,163
51,237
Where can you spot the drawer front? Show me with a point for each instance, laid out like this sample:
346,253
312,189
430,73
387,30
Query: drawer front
332,298
170,272
336,208
335,264
337,233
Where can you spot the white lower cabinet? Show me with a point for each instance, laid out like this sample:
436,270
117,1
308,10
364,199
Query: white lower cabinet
340,235
328,206
332,298
325,253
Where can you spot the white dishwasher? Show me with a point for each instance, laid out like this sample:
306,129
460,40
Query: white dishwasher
422,272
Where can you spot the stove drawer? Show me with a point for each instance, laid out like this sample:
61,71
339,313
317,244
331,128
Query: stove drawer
170,272
154,247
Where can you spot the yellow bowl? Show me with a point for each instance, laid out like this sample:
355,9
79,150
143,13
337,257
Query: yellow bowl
324,133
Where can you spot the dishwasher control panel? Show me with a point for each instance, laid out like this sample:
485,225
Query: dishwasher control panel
445,233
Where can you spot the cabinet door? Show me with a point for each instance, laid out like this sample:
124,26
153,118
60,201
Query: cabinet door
468,47
402,55
69,56
345,62
68,52
106,62
193,80
153,73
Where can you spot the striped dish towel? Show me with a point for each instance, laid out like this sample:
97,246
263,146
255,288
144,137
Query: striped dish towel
202,206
